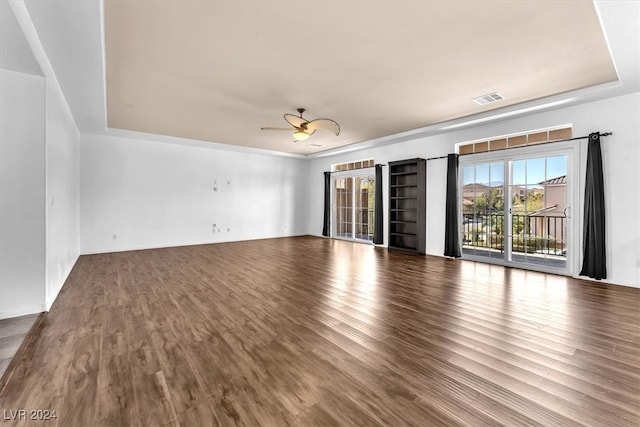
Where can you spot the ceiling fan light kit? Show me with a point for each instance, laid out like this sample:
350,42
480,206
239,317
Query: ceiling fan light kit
303,128
300,135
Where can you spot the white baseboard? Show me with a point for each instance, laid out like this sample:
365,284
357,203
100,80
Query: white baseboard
127,248
22,311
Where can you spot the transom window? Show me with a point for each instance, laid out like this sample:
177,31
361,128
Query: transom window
361,164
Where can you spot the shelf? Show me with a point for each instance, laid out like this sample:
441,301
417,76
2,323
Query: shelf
407,249
407,192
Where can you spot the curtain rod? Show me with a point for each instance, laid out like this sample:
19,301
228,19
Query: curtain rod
501,149
540,143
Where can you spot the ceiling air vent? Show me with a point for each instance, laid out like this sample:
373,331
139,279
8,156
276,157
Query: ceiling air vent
486,99
315,145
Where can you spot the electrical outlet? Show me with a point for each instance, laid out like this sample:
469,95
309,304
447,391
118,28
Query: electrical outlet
213,228
228,229
114,236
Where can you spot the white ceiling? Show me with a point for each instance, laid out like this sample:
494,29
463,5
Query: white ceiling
218,71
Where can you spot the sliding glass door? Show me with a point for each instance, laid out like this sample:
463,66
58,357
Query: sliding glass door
353,206
516,210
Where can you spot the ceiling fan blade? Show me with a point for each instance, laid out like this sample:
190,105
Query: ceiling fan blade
293,120
271,128
326,124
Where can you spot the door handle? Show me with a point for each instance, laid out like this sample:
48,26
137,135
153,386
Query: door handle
567,209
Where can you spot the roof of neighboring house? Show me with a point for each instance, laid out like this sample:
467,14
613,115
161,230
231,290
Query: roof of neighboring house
559,180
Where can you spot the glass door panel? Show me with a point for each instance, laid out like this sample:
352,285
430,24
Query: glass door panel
365,200
343,197
483,210
538,199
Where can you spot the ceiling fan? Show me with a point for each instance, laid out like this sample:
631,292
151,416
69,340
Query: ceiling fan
303,128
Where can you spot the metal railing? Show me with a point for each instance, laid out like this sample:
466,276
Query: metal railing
529,234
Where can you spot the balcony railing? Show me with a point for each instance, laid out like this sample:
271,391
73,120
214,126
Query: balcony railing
544,235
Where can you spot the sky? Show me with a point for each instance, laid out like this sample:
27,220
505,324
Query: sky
525,172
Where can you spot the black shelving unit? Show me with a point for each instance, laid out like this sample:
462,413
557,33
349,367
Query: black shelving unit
407,205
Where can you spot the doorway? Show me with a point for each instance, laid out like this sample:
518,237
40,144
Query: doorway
516,210
353,206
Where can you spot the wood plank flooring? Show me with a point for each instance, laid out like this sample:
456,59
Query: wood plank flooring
12,334
308,331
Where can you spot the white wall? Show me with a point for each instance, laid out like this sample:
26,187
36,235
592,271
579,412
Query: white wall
621,157
621,153
22,193
138,194
39,170
62,191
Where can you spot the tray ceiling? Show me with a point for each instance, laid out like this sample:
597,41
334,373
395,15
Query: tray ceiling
218,71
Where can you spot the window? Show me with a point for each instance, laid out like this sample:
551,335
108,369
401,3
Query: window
516,140
353,165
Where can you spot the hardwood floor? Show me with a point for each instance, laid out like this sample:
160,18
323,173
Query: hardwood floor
310,331
12,334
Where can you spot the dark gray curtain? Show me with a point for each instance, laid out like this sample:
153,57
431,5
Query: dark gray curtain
327,203
451,235
594,263
378,221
